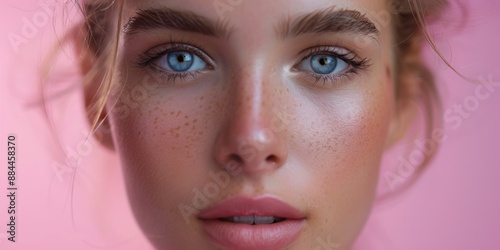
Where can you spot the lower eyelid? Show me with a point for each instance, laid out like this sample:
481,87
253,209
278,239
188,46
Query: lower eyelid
328,80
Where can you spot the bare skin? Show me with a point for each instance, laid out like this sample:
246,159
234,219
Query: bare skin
256,106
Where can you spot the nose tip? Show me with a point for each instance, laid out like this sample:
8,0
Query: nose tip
255,148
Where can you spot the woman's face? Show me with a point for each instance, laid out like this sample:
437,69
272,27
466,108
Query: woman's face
252,124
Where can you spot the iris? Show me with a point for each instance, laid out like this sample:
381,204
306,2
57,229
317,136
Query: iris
180,61
323,64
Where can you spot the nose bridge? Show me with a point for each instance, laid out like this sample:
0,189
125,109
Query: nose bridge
252,97
246,137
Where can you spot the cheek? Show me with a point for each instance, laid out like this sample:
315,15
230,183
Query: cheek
345,132
163,147
340,144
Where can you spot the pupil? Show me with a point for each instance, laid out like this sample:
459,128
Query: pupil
322,61
180,58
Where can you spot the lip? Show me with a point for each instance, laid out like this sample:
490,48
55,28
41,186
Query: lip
243,236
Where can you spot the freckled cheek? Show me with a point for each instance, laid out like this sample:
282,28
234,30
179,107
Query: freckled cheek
175,132
345,159
162,140
174,128
347,137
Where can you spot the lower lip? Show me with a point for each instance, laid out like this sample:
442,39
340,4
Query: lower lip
263,236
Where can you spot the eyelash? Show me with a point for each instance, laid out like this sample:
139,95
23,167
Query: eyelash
147,58
356,64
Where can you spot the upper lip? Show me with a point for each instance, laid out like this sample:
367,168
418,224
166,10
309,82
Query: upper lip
245,206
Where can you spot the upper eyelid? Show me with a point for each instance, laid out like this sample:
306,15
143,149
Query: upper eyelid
351,57
147,56
305,54
335,50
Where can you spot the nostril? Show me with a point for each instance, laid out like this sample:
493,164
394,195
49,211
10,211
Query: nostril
272,158
236,158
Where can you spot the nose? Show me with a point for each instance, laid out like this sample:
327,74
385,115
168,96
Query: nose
247,137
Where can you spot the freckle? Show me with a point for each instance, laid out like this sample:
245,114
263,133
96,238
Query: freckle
186,116
178,113
195,120
202,97
172,112
186,124
177,135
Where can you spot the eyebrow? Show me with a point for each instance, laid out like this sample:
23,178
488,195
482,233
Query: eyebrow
165,18
328,20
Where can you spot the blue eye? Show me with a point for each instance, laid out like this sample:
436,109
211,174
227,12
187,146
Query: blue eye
181,61
323,64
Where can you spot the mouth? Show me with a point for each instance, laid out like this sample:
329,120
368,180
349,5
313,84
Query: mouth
253,219
252,223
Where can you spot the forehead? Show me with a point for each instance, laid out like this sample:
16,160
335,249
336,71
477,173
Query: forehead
207,6
248,15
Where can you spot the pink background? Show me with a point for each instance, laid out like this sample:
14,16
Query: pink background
454,205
